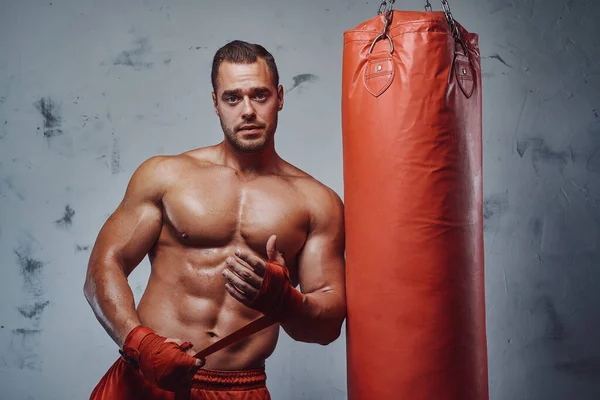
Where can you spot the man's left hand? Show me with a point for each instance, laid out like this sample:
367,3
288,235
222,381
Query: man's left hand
245,271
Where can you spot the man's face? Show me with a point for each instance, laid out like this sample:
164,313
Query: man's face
247,103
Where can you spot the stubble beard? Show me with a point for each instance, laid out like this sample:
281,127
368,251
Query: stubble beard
233,136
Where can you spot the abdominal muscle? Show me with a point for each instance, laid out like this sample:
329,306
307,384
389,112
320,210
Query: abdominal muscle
186,299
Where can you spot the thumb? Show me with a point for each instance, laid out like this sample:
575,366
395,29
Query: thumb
272,252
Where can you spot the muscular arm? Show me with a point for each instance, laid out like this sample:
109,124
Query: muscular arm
321,274
124,240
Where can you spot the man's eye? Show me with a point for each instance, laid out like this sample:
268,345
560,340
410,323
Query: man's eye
230,99
261,96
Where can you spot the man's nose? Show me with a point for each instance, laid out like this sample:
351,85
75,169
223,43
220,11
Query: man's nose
248,111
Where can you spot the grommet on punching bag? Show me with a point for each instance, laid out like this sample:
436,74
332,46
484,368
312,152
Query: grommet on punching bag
412,146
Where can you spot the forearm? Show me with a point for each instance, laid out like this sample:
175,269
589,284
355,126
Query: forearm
111,299
319,320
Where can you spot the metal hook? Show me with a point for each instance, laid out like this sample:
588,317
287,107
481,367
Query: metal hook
379,37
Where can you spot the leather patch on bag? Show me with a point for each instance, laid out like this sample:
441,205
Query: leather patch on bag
465,76
379,73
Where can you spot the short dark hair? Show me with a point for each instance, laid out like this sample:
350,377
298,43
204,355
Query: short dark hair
240,52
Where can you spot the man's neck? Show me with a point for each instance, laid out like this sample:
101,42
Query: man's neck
250,163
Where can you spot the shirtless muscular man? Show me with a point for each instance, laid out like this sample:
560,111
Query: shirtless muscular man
230,231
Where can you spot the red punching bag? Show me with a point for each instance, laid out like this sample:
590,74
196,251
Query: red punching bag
412,147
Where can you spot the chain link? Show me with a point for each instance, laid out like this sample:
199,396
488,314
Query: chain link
386,7
428,6
450,18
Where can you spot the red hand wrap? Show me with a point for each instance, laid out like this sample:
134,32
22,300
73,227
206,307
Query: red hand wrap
277,298
164,364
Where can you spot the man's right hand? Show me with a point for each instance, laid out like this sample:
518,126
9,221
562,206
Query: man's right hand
167,363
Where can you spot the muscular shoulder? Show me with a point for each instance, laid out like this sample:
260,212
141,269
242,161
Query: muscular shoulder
157,174
322,202
168,168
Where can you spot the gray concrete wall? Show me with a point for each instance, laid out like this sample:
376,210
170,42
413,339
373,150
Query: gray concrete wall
90,89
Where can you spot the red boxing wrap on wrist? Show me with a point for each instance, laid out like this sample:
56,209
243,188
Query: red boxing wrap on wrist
164,364
277,298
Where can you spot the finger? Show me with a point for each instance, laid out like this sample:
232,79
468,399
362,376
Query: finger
253,262
197,365
176,341
236,294
200,362
272,252
187,347
191,352
243,287
245,274
271,247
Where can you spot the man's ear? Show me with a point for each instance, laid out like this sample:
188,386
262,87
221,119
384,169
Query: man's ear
215,102
280,97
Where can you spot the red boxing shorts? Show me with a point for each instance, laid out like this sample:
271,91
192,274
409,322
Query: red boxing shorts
123,382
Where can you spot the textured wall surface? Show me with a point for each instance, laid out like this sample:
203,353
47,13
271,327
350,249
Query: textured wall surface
90,89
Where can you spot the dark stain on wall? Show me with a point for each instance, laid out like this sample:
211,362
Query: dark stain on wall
67,218
497,57
583,368
495,205
542,153
34,311
557,330
26,332
79,248
547,155
51,113
522,146
29,265
134,58
302,78
30,269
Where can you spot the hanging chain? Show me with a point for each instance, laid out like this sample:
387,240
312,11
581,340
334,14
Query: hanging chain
385,6
450,19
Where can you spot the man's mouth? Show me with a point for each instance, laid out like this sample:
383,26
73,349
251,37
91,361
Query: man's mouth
250,128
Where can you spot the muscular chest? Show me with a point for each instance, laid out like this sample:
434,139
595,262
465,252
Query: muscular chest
216,211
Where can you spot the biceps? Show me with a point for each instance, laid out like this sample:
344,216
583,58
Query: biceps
321,264
128,235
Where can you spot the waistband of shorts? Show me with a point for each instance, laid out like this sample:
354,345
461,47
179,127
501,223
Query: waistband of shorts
230,380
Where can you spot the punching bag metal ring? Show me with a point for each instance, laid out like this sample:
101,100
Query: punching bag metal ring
412,147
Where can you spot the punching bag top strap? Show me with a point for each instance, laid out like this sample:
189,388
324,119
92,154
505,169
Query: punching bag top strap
451,22
386,7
